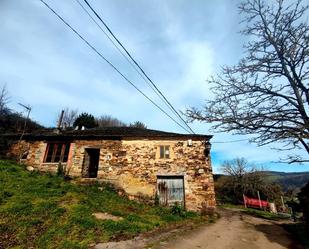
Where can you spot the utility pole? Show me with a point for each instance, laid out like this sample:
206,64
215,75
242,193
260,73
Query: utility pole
28,108
283,206
258,192
244,197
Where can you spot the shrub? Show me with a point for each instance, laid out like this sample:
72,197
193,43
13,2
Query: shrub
87,120
156,200
177,210
60,169
303,197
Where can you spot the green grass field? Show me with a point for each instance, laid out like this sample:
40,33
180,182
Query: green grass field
44,211
265,214
257,212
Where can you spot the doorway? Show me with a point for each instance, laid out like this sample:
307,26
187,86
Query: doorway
91,163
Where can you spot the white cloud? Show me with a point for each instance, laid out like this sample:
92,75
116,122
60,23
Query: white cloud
178,43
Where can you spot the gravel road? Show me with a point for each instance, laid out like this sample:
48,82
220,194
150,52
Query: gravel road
235,230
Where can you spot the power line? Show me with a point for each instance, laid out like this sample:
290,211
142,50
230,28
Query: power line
131,63
128,60
108,62
134,61
121,52
232,141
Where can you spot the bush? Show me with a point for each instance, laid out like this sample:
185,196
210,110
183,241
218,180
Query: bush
60,169
156,200
87,120
178,210
303,197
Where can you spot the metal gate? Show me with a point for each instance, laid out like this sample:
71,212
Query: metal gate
170,190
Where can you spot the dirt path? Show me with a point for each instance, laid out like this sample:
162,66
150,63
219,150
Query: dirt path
234,230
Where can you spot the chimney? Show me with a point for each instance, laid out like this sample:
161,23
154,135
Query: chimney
60,120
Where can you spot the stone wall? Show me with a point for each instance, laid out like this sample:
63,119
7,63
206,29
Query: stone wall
133,165
34,150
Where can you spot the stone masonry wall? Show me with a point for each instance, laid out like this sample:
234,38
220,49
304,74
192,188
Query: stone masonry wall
133,165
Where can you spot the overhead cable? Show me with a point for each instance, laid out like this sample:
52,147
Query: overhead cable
140,68
232,141
110,64
121,52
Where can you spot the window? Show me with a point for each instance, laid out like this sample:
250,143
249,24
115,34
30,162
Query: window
25,155
57,152
164,151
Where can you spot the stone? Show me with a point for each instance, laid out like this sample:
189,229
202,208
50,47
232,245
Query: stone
201,171
135,165
30,168
107,216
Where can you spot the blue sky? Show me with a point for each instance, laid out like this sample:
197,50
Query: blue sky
179,44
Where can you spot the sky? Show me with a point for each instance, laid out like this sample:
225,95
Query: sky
179,43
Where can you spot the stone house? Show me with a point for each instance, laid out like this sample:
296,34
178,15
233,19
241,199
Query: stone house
143,163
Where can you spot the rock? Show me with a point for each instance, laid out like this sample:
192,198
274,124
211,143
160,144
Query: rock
107,216
201,171
126,244
30,168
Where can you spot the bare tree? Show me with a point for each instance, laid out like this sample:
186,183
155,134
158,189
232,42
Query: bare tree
237,167
4,99
267,92
241,177
244,174
138,124
109,121
69,116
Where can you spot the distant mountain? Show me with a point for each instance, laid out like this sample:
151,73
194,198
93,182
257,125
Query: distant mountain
294,180
288,180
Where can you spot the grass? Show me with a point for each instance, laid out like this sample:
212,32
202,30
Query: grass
265,214
44,211
257,212
229,205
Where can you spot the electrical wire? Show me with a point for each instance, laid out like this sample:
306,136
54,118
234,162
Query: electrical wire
232,141
110,64
121,52
140,68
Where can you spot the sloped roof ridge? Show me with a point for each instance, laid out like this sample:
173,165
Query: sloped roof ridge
116,132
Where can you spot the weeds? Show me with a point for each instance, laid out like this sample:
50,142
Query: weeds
264,214
44,211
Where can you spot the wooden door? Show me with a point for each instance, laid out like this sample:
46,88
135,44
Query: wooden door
170,190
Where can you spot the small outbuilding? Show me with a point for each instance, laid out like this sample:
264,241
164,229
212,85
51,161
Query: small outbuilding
169,167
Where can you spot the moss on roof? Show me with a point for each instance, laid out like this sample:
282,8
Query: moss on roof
107,133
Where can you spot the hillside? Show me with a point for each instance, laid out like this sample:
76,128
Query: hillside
289,180
286,180
44,211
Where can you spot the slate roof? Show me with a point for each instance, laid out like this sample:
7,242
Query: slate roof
108,133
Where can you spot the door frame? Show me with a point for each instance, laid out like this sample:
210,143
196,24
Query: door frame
87,156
